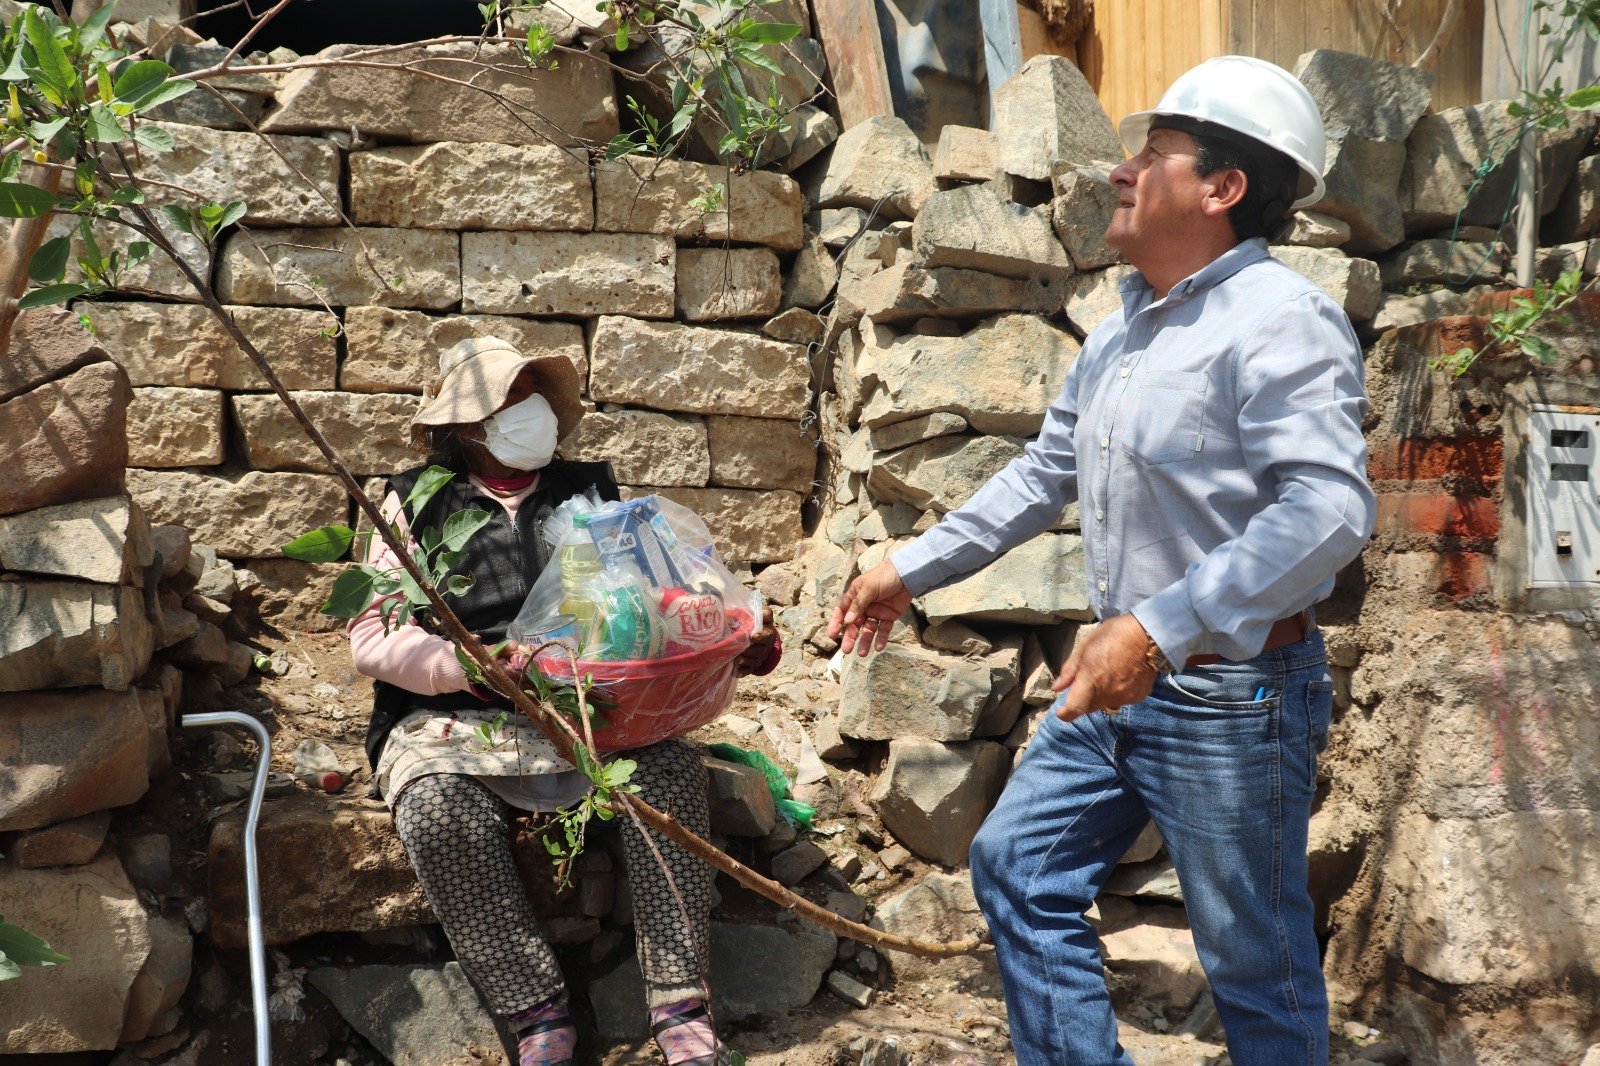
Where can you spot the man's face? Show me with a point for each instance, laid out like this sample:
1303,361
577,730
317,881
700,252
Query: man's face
1160,197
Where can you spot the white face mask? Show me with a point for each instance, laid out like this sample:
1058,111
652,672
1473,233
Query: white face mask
523,436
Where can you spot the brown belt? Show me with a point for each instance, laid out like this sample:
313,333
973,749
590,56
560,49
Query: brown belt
1289,630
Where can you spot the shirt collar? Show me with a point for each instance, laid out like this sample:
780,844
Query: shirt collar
1136,290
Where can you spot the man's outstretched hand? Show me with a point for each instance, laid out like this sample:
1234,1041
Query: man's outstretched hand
1107,669
868,610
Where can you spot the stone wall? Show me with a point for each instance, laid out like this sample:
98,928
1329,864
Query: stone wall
687,326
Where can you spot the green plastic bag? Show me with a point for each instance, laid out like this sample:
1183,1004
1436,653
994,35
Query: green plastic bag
793,810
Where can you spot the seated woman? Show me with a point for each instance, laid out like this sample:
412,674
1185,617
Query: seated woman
494,417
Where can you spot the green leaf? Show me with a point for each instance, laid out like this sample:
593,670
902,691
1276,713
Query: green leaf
619,772
1585,99
766,32
756,58
323,545
154,138
169,91
1540,349
352,593
51,294
428,484
180,219
10,165
128,194
44,132
94,27
232,212
622,36
50,261
140,79
25,949
459,528
458,584
18,199
103,126
54,71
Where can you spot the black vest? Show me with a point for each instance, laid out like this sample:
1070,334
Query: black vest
504,560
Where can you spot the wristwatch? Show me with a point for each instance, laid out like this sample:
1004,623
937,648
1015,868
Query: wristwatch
1157,659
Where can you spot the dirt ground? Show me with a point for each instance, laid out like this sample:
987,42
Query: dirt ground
931,1021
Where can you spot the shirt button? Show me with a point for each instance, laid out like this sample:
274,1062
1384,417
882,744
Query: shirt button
1125,372
1099,516
1105,442
1102,586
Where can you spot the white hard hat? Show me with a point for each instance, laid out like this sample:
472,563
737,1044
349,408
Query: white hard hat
1252,97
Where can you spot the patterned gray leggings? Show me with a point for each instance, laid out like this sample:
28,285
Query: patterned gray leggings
457,834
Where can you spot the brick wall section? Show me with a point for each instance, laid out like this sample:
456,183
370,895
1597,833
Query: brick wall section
1436,443
547,262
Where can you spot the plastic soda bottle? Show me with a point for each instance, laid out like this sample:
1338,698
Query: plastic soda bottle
580,565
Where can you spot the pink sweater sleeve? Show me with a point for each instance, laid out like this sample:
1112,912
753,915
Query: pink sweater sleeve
407,656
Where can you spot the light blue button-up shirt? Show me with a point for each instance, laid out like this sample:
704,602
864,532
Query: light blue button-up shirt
1213,442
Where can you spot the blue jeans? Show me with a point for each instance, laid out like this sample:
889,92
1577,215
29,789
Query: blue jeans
1228,779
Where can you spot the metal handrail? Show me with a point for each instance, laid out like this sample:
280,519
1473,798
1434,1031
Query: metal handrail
252,881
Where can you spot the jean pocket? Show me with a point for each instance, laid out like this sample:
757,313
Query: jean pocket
1226,686
1167,417
1319,712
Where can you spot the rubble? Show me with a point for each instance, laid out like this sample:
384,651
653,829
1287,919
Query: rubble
1046,114
878,164
1441,262
933,796
941,474
1084,202
965,154
80,911
415,1015
917,375
1036,583
975,228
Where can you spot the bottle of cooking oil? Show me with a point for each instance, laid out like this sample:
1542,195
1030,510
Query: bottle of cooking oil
580,564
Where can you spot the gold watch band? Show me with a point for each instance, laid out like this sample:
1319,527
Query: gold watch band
1157,659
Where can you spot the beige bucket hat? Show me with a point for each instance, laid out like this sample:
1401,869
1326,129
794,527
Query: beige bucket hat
475,377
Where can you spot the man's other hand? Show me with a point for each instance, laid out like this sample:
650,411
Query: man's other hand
1107,669
868,610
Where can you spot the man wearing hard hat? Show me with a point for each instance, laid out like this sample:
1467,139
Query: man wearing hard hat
1210,433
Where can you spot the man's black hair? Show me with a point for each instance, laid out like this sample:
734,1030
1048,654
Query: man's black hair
1270,176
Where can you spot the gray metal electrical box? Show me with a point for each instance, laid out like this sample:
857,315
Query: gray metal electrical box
1563,497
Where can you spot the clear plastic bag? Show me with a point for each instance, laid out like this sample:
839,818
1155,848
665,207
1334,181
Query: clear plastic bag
637,593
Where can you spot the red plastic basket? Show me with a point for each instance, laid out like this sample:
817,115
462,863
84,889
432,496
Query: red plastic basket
655,699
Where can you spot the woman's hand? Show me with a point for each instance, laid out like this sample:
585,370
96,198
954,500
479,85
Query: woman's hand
753,657
514,659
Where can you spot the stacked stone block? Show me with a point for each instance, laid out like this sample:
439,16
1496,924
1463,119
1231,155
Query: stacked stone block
91,624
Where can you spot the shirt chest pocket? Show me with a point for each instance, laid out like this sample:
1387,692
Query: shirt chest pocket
1163,419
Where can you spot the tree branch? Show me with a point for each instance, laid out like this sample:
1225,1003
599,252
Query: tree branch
26,236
